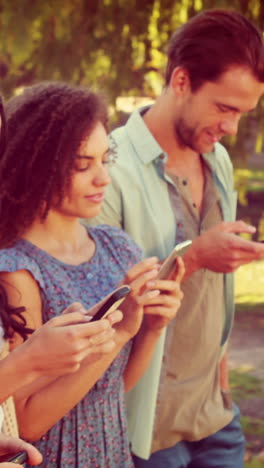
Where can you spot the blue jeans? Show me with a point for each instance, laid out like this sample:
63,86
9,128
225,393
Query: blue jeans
224,449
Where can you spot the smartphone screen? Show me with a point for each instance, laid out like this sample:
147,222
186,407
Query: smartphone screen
112,302
169,263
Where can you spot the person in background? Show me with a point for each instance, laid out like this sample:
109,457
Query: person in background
54,171
174,181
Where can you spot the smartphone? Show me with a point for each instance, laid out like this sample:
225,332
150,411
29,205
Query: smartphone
20,457
169,263
112,302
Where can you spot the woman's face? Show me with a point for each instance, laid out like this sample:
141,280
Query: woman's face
90,176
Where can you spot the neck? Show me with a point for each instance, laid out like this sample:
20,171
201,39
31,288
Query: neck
160,124
57,233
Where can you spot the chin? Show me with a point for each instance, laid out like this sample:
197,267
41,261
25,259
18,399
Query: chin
206,148
91,213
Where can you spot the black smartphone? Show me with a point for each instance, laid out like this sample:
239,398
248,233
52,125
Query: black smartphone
169,263
112,302
20,457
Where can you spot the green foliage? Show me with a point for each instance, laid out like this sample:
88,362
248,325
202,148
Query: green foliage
248,180
254,464
249,284
252,425
114,45
245,386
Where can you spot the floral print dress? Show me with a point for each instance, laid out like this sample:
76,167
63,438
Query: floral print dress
93,434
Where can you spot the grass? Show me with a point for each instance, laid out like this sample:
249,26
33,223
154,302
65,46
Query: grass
254,464
249,296
249,285
245,386
252,425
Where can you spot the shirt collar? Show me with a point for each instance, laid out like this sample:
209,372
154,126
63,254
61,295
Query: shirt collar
145,144
142,139
210,159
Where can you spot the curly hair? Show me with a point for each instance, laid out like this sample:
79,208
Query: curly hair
44,127
213,41
11,318
3,128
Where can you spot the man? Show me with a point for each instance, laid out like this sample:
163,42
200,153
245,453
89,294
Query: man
172,182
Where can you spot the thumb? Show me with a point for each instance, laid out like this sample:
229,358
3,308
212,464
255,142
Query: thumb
179,270
9,465
74,307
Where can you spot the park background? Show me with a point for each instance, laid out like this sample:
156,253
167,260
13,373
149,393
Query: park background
119,48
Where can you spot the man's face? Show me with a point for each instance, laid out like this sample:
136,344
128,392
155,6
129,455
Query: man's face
215,109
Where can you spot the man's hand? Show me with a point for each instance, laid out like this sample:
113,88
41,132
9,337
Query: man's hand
220,249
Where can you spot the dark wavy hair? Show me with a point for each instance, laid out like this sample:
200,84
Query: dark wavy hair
11,318
44,128
212,42
44,125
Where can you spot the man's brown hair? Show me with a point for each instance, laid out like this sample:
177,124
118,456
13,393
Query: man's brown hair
212,42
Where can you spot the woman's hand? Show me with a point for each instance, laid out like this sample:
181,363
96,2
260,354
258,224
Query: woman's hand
11,445
61,344
161,309
137,278
158,301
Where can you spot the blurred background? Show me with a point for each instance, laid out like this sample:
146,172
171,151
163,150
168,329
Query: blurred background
118,47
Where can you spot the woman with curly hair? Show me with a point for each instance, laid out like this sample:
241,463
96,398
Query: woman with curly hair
54,172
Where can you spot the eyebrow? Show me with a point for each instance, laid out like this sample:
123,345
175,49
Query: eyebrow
84,156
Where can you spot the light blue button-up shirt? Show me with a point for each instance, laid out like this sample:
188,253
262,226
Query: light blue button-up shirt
139,196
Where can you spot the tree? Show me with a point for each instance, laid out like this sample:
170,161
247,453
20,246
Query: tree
114,45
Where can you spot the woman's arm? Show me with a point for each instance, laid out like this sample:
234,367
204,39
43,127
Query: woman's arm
34,418
56,348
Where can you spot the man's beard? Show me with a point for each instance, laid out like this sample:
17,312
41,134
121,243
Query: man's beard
185,135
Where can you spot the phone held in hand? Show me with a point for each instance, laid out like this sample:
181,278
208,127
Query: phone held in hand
112,302
20,457
169,263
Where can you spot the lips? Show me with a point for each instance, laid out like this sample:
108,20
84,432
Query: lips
214,138
95,198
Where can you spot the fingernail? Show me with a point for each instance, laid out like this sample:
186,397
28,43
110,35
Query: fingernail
150,284
87,317
154,293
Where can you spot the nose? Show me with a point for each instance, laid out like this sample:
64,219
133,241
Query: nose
102,177
230,126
